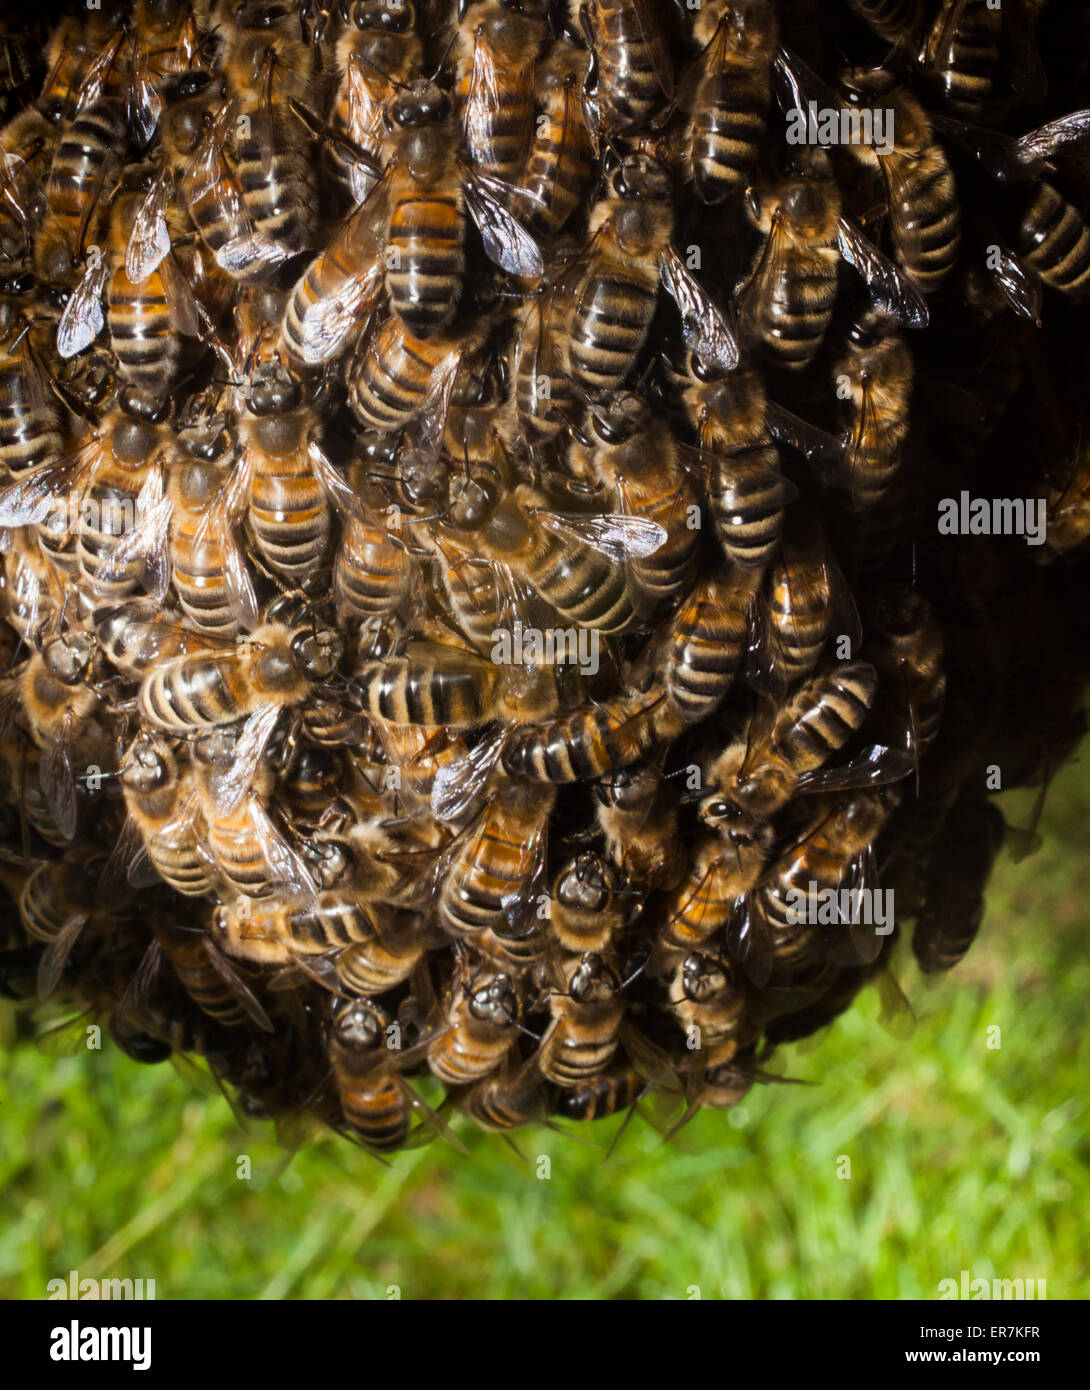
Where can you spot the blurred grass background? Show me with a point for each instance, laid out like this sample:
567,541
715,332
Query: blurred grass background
961,1157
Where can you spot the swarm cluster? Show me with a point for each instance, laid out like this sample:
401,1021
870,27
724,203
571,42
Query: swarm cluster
508,507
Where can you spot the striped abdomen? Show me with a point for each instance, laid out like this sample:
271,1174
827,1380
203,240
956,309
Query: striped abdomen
588,742
391,385
581,1044
90,140
30,423
489,875
559,165
825,713
610,324
800,612
430,691
276,190
238,847
629,90
963,69
371,574
1056,242
925,214
498,120
108,513
601,1096
793,303
333,921
730,108
706,642
374,1103
199,977
142,333
425,255
289,515
195,692
747,494
579,581
702,902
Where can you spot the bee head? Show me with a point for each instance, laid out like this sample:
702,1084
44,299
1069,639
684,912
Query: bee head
473,499
585,884
495,1003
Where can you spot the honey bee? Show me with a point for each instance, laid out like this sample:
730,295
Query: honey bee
614,286
542,401
31,425
957,871
589,741
730,96
789,300
838,849
162,802
148,299
273,667
784,751
715,891
481,1027
909,655
497,864
54,907
267,64
1054,242
396,379
65,717
410,233
376,1100
84,157
747,492
384,959
557,171
215,592
586,908
633,456
630,74
971,46
925,217
215,987
378,48
804,591
495,52
27,145
587,1022
638,821
703,646
502,1102
874,379
708,1001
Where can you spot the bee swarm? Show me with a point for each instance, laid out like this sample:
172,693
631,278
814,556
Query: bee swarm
530,536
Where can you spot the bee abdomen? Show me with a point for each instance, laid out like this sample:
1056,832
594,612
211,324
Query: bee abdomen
424,277
608,330
290,520
1057,242
747,501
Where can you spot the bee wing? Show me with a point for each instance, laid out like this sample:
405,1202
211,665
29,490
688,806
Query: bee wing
795,84
55,956
749,941
83,317
619,536
816,445
1001,155
365,108
146,539
528,883
1019,286
328,324
29,500
877,766
339,491
432,1118
241,598
232,787
286,868
652,1062
458,785
17,188
91,86
142,101
862,877
425,434
238,987
127,848
704,327
896,1016
483,98
64,1039
149,240
1055,137
184,314
506,241
58,783
253,249
649,20
887,282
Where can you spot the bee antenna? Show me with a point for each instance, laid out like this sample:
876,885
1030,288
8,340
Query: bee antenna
443,59
398,86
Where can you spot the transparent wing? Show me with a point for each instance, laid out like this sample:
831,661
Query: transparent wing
286,868
83,318
149,240
55,956
617,535
887,283
58,782
876,766
1055,137
506,241
235,783
704,327
238,987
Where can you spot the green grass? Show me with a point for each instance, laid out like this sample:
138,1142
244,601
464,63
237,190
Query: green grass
961,1157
